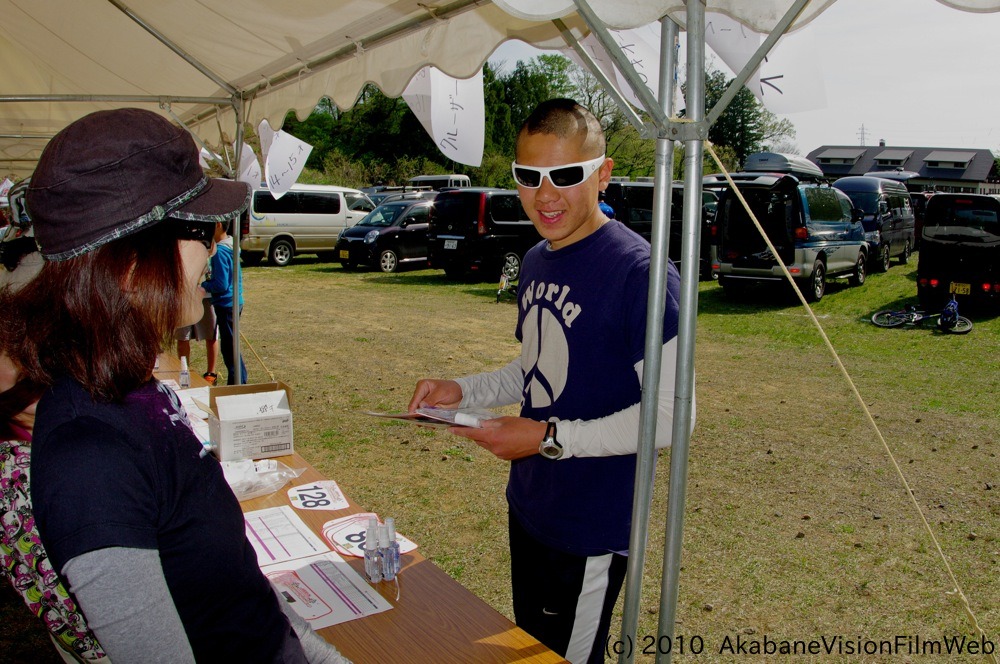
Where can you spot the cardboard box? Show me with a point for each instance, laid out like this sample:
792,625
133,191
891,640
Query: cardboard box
250,421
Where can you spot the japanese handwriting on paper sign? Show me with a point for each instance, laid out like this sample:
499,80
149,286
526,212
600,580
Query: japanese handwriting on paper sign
634,59
450,140
287,167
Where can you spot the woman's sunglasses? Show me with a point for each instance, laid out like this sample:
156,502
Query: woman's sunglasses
561,177
198,231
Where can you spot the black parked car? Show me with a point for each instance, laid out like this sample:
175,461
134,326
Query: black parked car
389,236
480,231
960,251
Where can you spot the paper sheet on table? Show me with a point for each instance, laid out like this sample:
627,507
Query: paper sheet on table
347,535
325,590
279,535
195,402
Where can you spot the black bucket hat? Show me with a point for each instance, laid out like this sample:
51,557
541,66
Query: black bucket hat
113,173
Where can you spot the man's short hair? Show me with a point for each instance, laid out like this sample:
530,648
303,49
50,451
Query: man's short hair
566,118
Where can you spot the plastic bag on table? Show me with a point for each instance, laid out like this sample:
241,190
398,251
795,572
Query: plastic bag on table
252,479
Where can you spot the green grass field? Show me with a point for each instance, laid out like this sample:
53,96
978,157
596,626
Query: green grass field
797,525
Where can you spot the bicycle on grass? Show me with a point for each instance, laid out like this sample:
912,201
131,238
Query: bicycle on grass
948,319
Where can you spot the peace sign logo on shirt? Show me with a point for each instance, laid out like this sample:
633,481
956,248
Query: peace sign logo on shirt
545,373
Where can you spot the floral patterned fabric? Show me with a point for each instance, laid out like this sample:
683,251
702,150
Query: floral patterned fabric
24,562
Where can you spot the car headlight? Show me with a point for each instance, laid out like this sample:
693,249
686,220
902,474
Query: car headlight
370,237
873,237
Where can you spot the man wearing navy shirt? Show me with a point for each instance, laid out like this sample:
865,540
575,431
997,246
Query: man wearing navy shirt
581,323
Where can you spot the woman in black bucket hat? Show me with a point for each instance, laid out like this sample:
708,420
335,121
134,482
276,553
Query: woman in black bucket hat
135,517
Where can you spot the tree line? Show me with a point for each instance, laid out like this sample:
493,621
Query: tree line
380,141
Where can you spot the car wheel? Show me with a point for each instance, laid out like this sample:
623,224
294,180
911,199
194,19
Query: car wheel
815,286
388,261
860,271
281,253
883,259
250,259
510,265
904,257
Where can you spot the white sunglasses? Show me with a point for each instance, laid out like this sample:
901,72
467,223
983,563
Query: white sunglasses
561,177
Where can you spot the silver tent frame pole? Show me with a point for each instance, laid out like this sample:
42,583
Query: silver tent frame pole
653,353
237,274
684,382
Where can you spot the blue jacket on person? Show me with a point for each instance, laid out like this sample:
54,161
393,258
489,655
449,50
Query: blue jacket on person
220,282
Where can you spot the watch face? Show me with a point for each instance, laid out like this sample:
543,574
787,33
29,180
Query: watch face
550,449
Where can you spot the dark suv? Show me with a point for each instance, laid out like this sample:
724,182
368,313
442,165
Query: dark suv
479,231
389,236
814,228
633,206
960,251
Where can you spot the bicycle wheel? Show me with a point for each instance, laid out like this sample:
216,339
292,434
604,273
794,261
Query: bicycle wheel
962,326
889,318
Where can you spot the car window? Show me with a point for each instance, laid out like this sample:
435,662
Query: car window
822,205
358,202
963,219
418,215
383,215
505,208
265,203
317,203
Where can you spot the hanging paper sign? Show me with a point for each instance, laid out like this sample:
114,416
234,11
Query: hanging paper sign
733,42
417,96
249,167
452,111
285,160
266,135
206,157
322,495
347,535
458,117
791,79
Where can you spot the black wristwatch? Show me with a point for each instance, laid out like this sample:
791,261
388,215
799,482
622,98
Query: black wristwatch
550,447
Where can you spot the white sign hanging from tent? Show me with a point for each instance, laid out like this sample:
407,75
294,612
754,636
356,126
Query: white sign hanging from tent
249,167
452,111
266,135
285,160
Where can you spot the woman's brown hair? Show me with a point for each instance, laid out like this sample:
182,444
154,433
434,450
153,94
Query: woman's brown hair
100,318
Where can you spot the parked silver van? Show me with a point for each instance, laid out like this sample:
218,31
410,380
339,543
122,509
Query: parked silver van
889,220
308,219
439,182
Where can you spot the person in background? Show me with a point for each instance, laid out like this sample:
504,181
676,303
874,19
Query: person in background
581,323
220,286
23,560
133,514
205,330
606,209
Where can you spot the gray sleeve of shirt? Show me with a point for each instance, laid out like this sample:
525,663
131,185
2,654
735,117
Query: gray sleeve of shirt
316,649
125,598
496,388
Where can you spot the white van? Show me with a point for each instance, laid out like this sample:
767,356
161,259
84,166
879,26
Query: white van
308,219
439,182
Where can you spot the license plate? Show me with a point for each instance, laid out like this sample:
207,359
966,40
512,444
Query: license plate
451,244
345,254
960,289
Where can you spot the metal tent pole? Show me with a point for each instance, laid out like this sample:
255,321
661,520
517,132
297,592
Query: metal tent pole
238,106
655,306
684,382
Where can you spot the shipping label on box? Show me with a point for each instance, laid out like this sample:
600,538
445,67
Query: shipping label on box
250,421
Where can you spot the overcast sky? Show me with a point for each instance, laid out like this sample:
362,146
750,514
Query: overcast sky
912,72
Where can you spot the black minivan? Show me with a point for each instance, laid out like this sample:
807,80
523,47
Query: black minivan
960,251
479,231
633,206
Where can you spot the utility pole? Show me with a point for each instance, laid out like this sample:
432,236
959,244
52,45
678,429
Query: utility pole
862,134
